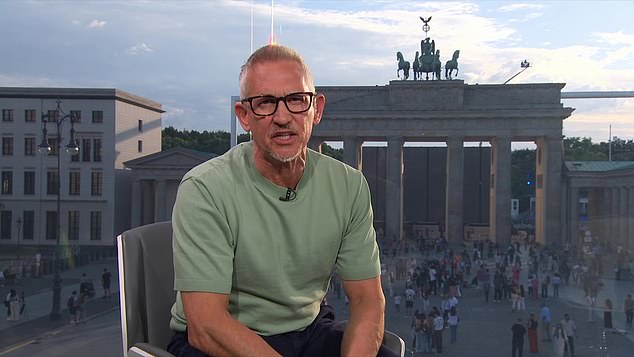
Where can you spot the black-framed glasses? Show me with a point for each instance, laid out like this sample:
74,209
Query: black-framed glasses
263,105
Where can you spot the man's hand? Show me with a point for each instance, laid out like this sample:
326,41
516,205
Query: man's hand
364,332
211,329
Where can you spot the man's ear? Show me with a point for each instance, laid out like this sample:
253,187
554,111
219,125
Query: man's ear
320,104
242,113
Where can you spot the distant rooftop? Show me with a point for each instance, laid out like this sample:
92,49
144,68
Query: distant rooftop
599,166
80,93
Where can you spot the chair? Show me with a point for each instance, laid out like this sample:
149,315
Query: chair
146,292
394,343
146,289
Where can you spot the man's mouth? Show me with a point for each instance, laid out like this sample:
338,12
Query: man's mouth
283,136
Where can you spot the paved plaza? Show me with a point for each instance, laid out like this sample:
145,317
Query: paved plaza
484,329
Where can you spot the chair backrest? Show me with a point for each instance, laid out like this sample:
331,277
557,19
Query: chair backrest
146,284
394,343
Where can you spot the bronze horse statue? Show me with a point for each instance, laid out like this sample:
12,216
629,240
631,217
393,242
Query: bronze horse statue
402,65
451,65
416,67
436,65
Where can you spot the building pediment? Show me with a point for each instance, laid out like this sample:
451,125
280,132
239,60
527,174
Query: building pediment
175,158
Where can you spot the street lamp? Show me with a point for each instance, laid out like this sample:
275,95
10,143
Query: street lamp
58,119
17,242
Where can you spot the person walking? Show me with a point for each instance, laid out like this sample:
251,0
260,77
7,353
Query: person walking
556,282
517,343
22,301
14,306
559,341
607,314
439,326
544,316
532,333
410,294
71,304
419,335
7,304
628,307
106,277
486,284
453,321
569,329
397,304
521,301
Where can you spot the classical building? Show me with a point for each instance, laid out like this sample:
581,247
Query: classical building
155,179
454,112
111,127
599,202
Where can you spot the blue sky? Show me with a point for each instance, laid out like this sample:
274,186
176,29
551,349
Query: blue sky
186,54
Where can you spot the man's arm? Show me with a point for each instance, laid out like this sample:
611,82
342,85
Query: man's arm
211,329
364,332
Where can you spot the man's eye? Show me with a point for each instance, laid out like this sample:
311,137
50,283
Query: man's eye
295,99
266,101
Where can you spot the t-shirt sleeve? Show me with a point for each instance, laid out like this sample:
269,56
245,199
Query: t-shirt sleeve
202,243
358,257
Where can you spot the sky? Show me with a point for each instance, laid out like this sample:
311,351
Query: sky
186,55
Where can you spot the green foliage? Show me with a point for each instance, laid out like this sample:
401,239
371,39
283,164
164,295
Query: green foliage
582,149
216,142
332,152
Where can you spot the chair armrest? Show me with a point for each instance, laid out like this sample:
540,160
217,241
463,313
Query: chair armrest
146,350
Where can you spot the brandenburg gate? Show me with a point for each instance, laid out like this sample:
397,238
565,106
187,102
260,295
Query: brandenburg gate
454,112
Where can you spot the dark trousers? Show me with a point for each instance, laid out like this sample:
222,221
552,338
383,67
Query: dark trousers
570,345
321,338
517,347
437,339
628,317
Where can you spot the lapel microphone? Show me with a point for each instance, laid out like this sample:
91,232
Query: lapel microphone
290,195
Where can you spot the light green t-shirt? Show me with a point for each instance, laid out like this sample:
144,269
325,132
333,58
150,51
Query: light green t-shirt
233,235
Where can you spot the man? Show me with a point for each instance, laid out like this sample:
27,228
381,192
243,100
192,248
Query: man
106,277
570,329
410,294
486,285
259,230
545,317
628,307
439,326
517,343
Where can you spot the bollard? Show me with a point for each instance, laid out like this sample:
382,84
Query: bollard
603,344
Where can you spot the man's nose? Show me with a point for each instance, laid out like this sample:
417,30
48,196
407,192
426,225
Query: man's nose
282,115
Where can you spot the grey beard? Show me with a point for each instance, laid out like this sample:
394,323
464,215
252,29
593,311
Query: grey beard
285,159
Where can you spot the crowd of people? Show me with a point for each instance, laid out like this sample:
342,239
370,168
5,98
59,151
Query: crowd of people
514,274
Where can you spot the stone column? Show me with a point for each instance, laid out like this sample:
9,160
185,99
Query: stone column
394,189
548,205
159,200
315,144
630,219
606,214
454,225
573,219
622,217
352,151
614,217
137,203
500,191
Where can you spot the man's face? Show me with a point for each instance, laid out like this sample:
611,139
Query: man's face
282,136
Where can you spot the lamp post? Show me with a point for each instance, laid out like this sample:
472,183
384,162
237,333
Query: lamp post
17,242
58,119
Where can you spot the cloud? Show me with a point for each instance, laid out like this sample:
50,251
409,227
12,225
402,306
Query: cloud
139,48
518,7
528,17
96,24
